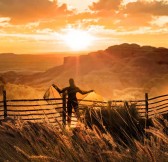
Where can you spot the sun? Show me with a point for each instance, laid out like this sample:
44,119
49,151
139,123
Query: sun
78,39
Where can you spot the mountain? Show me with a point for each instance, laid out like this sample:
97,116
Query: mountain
29,63
126,70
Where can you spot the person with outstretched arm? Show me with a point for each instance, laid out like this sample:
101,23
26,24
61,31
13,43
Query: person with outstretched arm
72,99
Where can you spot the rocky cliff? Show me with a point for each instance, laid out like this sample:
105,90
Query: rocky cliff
121,69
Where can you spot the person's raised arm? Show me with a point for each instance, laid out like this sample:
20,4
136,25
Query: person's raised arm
84,92
58,89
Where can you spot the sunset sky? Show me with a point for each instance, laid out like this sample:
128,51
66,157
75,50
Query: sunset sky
35,26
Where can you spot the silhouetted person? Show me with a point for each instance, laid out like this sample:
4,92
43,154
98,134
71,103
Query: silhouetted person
72,99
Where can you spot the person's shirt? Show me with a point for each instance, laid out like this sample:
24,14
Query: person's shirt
71,91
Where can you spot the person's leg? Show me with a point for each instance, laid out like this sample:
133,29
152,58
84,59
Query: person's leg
75,106
69,107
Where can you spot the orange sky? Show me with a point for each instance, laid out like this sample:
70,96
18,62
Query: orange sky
34,26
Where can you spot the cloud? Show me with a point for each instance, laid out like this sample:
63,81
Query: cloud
23,11
105,5
54,24
4,21
130,16
141,14
160,21
107,20
159,8
135,21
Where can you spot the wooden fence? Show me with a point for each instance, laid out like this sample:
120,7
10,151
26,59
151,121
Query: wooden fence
53,110
152,107
32,109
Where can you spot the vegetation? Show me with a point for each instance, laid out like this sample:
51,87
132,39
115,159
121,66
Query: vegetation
111,135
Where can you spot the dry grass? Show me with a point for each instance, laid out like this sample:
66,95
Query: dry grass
25,141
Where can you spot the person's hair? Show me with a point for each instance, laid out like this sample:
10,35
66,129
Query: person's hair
71,82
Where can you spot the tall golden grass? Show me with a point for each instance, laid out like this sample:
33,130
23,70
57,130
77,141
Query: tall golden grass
35,142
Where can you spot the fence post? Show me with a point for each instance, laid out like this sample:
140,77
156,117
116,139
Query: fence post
4,103
64,109
146,106
109,104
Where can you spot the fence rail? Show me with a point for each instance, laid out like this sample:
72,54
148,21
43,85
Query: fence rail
54,109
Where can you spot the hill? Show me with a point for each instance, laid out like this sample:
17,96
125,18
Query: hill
120,71
29,63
